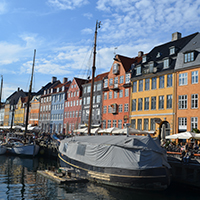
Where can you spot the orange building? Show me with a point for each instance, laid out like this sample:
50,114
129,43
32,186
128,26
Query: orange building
116,92
188,84
34,110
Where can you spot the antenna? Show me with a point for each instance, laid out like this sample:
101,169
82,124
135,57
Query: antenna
115,50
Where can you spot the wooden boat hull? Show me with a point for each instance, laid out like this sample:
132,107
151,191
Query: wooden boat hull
146,179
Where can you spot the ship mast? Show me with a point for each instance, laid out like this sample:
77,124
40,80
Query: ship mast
1,89
29,94
93,74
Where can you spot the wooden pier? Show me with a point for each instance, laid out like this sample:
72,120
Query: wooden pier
61,176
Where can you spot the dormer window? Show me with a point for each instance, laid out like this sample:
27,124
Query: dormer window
144,59
115,68
63,88
189,57
151,65
138,70
158,55
171,50
166,63
45,92
51,90
57,89
105,83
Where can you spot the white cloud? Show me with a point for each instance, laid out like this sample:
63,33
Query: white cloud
67,4
3,7
87,31
88,15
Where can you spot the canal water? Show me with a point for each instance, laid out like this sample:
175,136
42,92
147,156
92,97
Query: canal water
19,180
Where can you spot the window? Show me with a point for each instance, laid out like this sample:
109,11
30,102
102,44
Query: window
139,124
144,59
120,93
110,95
109,123
182,102
172,50
169,101
138,70
99,87
146,124
161,81
111,82
104,109
146,103
147,81
88,100
194,123
128,78
105,83
115,94
153,84
120,123
114,123
126,107
169,80
116,80
140,85
189,57
151,65
88,89
133,105
194,77
134,89
194,101
161,102
120,108
182,123
166,64
140,104
133,123
126,92
104,124
105,95
98,98
153,103
109,109
183,79
153,125
121,79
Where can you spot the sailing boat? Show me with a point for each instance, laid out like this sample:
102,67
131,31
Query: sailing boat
16,146
136,162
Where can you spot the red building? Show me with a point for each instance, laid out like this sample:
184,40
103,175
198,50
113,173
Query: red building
116,92
73,105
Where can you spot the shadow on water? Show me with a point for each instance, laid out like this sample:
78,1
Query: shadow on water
19,180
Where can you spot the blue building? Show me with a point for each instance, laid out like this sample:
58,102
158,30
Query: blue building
57,106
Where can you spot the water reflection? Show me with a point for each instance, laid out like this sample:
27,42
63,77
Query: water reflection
19,180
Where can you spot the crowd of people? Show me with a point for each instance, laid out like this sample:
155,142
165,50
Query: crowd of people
186,149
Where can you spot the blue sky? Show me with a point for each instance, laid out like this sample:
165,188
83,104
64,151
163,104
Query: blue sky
62,32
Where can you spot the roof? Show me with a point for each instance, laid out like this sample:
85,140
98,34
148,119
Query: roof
99,77
80,81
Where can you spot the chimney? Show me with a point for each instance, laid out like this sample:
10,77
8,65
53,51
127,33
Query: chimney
18,89
176,36
140,53
54,79
65,80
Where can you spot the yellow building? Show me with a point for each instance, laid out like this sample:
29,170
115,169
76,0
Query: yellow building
153,95
19,112
6,114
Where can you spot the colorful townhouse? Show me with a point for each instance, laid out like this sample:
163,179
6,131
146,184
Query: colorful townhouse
116,92
96,120
19,111
73,105
57,106
153,88
188,86
45,105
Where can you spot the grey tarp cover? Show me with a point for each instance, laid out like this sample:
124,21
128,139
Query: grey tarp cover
133,152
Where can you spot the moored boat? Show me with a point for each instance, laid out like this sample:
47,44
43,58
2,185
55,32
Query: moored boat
136,162
2,148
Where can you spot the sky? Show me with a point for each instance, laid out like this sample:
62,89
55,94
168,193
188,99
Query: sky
62,32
